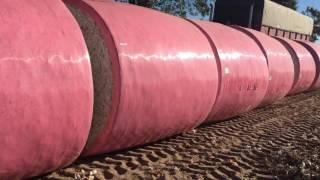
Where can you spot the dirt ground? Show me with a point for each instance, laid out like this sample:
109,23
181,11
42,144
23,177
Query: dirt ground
281,141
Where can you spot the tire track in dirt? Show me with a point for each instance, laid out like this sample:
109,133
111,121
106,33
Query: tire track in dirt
243,147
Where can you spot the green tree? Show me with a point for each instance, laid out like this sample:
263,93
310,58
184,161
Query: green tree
315,15
293,4
200,8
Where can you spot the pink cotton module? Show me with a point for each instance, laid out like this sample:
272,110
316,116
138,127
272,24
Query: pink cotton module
46,91
314,50
305,67
162,75
280,64
243,71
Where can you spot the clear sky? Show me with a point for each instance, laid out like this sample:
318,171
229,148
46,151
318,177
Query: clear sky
302,4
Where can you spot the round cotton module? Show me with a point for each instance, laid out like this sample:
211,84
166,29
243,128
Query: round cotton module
305,67
281,67
243,70
46,91
314,49
158,81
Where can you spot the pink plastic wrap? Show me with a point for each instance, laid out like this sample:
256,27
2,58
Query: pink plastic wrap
305,67
281,67
243,70
46,94
164,73
314,49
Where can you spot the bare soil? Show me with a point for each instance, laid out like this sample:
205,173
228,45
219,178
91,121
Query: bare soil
281,141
